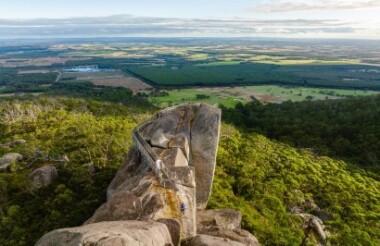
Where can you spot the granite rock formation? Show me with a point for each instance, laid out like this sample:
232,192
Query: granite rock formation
115,233
9,159
166,180
43,176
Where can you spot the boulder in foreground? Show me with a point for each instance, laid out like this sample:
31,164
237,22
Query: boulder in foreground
115,233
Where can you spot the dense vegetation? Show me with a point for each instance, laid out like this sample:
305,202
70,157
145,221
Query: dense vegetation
255,175
348,129
264,179
188,74
86,132
12,82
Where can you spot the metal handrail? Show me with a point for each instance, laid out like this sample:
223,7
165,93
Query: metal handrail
161,171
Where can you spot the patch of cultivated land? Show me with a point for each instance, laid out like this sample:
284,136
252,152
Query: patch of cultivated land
179,96
230,96
33,71
36,62
114,78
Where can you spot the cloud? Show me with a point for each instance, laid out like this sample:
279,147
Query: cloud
134,26
313,5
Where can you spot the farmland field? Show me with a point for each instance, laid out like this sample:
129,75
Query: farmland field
186,64
114,78
230,96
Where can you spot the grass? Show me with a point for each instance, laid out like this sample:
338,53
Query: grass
219,63
230,96
285,93
180,96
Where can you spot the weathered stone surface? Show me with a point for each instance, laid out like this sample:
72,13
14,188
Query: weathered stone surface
116,233
9,159
237,235
43,176
171,157
159,140
186,196
315,225
195,130
171,121
184,175
129,169
205,240
181,142
204,141
135,194
174,229
209,220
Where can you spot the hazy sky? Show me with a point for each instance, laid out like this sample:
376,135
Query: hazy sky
246,18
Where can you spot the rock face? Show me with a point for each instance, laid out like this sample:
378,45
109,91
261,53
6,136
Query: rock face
313,225
237,235
204,240
117,233
195,130
209,220
224,223
204,140
43,176
165,180
9,159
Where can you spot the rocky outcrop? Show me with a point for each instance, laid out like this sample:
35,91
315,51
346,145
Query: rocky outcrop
312,216
236,235
116,233
313,226
13,143
205,130
210,220
9,159
193,129
204,240
43,176
224,223
165,180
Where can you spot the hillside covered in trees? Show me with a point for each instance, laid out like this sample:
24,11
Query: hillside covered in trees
262,178
347,129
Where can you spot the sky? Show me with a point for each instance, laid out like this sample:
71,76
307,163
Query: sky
358,19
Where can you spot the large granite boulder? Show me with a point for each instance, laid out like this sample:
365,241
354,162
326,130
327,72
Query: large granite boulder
205,131
115,233
209,220
43,176
195,130
9,159
224,223
204,240
136,194
184,140
237,235
313,225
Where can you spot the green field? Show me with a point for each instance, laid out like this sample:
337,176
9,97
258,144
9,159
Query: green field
230,96
179,96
